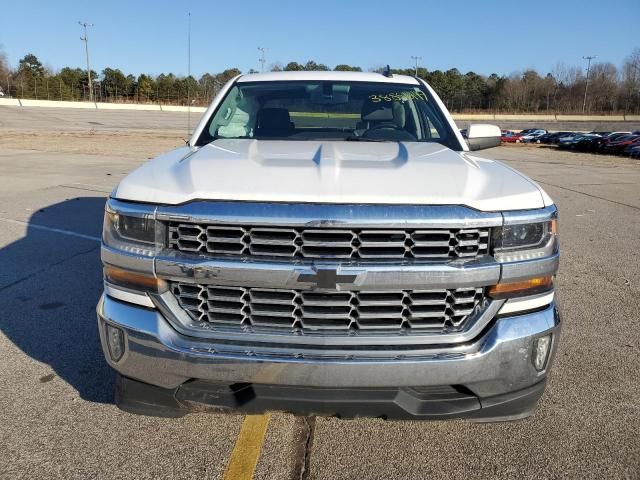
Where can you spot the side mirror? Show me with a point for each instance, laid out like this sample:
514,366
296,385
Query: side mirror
481,136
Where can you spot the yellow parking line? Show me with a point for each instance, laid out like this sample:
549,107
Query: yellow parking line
244,456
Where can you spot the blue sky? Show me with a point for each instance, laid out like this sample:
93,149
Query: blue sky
483,36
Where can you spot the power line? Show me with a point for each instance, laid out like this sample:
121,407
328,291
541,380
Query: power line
262,58
416,58
85,39
586,85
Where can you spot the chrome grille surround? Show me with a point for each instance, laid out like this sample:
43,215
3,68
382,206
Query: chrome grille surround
328,312
405,274
287,273
338,243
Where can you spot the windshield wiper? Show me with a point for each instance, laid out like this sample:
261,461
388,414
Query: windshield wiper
363,139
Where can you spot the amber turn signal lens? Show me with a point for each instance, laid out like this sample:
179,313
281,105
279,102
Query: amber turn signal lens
525,287
137,281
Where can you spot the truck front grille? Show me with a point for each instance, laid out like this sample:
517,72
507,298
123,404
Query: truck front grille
395,311
437,244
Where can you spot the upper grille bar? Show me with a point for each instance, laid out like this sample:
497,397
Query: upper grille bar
331,243
325,215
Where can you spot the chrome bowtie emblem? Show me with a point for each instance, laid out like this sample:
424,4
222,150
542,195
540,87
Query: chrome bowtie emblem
326,278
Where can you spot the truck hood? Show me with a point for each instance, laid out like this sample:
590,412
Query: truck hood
330,172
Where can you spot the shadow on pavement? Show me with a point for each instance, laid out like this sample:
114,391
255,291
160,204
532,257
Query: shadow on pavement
50,283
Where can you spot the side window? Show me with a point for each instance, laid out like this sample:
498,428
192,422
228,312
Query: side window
411,120
235,117
431,121
433,131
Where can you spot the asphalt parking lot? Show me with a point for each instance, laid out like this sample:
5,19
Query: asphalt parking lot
57,417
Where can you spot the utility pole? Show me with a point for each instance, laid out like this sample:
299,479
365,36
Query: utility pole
85,39
416,58
262,59
586,85
189,77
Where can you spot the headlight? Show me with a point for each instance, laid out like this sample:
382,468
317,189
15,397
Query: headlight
134,232
137,229
525,241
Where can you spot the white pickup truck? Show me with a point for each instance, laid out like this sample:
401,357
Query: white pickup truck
326,244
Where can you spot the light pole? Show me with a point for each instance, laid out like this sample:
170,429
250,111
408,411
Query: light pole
416,58
632,65
189,75
586,85
85,39
262,59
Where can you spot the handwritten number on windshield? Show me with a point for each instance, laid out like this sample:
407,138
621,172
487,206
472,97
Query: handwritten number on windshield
397,96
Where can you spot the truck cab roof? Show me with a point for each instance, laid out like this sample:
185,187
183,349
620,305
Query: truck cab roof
327,76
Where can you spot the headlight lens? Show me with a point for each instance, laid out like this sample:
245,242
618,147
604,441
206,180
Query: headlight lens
528,235
138,229
136,234
525,241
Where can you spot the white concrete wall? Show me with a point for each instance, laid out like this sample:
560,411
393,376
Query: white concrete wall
9,102
591,118
473,117
180,108
127,106
55,104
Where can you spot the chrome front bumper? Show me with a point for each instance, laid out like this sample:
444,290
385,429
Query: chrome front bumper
497,362
166,356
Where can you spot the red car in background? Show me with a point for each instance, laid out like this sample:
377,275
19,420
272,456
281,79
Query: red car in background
618,145
510,137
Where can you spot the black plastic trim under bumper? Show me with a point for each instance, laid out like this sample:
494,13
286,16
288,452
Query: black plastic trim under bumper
418,403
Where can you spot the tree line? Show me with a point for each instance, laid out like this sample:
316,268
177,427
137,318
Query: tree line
611,89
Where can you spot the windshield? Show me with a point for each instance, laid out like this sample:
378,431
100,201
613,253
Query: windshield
327,110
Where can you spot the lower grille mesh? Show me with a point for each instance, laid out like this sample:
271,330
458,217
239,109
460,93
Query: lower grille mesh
328,312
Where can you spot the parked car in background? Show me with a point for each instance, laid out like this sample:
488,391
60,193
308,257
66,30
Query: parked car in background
531,138
555,138
618,145
548,138
598,144
510,137
532,135
564,136
589,142
573,142
568,136
629,148
592,143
